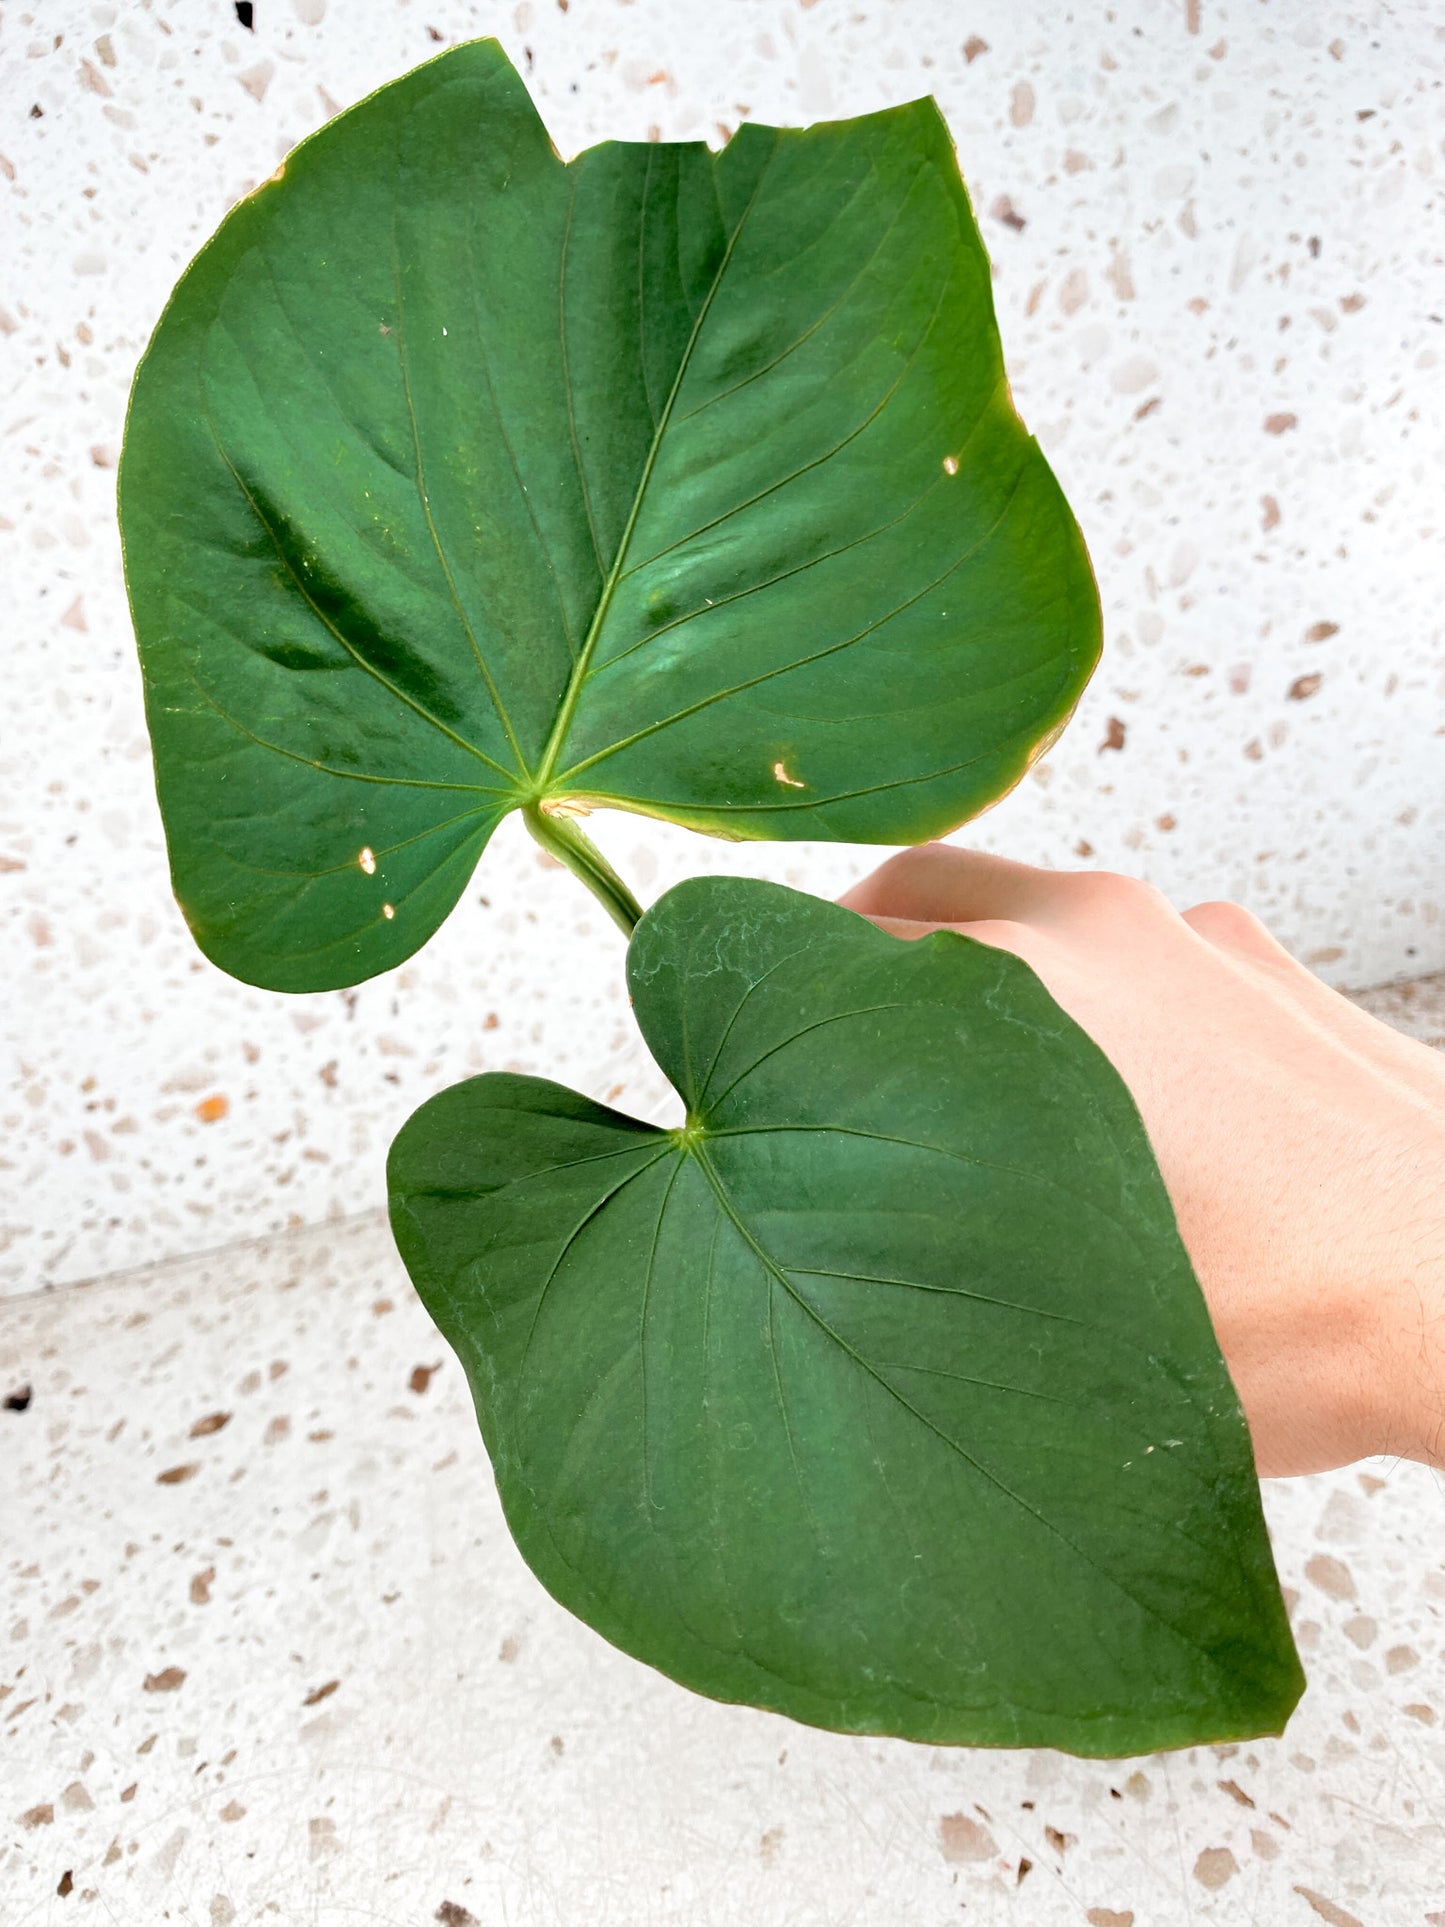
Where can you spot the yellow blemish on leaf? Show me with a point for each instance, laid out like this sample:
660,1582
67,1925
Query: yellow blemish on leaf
368,862
950,465
780,771
387,911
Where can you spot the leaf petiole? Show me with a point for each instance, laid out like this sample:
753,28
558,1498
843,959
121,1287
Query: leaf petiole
560,837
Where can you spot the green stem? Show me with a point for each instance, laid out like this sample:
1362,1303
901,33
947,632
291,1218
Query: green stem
560,837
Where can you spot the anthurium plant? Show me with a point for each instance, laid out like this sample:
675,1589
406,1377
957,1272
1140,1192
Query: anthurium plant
459,480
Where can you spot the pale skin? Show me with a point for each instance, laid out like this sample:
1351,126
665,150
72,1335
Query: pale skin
1302,1141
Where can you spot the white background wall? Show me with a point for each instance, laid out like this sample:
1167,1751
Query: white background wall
1224,312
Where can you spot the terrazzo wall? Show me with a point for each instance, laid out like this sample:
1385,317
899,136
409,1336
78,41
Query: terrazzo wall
1221,281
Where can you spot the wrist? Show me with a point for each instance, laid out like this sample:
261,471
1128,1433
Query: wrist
1409,1294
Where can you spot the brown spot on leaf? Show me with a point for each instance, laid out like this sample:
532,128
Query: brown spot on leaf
1304,686
319,1693
212,1422
165,1681
177,1474
963,1840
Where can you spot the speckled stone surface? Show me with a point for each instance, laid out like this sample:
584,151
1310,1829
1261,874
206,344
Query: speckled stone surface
268,1654
1416,1007
1216,233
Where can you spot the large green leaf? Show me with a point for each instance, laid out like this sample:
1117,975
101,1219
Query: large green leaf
881,1393
457,480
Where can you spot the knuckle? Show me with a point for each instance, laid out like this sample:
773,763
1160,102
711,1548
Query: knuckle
1003,933
907,866
1224,922
1111,890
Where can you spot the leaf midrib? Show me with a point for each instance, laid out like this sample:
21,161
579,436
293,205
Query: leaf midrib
576,680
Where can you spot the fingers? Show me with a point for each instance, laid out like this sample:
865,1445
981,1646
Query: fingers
1002,935
937,883
1229,926
1025,942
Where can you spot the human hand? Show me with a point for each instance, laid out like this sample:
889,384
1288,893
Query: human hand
1302,1141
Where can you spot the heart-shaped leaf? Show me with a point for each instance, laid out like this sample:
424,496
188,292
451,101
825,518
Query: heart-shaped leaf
458,481
882,1392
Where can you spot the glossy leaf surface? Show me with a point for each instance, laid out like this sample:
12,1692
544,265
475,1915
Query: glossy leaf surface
457,480
881,1394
